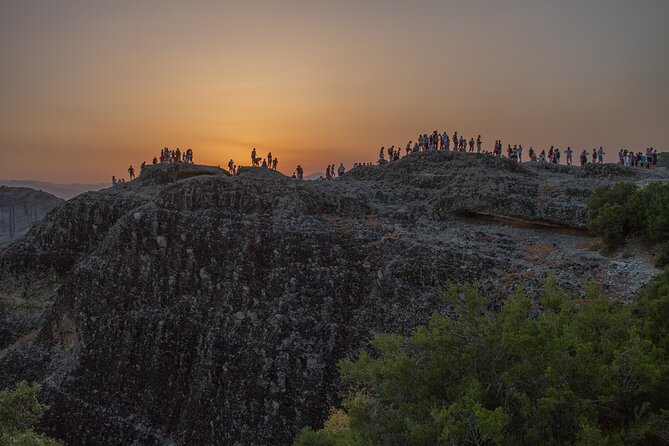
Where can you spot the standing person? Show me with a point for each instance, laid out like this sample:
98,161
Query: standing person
600,155
131,172
269,159
594,156
231,164
327,173
253,157
520,153
532,155
568,152
408,148
478,144
471,145
275,161
382,154
177,155
300,172
114,182
341,169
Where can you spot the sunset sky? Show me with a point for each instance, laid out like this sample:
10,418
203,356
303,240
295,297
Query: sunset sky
90,87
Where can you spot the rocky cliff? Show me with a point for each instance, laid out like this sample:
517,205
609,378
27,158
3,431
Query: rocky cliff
192,307
20,207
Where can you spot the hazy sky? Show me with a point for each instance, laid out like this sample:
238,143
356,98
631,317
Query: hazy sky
89,87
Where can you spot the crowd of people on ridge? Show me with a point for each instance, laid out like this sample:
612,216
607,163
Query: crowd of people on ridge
442,141
425,142
166,156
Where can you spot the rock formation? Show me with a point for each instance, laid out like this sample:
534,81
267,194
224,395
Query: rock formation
191,307
20,207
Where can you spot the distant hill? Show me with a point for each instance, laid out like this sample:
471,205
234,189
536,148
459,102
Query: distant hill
20,207
64,191
663,159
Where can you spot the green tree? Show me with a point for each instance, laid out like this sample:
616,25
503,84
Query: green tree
20,411
558,371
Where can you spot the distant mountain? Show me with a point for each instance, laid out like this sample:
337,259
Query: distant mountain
20,207
64,191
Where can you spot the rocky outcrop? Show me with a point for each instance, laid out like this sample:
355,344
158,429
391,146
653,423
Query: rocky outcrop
20,207
191,307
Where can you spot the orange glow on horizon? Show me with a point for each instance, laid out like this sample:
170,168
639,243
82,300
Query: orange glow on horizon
90,88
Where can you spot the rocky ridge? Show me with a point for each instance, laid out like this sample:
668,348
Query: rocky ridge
192,307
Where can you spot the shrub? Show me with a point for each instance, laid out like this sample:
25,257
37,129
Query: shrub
20,411
625,210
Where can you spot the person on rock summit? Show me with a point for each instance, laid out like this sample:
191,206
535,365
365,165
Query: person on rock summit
131,173
341,169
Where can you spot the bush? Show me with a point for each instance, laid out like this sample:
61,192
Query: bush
561,371
20,411
625,210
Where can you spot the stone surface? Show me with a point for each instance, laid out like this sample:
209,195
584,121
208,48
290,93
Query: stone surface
191,307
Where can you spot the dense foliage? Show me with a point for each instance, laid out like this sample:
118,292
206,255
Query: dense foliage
625,210
20,411
559,371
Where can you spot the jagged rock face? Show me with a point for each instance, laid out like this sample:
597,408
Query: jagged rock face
192,307
20,207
